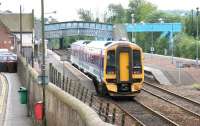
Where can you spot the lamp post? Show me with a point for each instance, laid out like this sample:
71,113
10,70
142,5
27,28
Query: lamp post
43,62
133,21
197,43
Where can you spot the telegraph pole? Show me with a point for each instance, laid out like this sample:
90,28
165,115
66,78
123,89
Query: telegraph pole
43,63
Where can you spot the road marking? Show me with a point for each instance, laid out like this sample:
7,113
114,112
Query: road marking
3,93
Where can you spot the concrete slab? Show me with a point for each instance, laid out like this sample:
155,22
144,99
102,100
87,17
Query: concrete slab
158,74
16,114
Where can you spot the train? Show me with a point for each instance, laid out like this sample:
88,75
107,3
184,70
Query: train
116,67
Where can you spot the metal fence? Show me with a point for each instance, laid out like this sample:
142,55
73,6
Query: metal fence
107,111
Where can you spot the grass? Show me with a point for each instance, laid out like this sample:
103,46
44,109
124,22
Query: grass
196,86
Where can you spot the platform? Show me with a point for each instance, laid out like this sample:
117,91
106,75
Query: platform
158,75
186,74
16,113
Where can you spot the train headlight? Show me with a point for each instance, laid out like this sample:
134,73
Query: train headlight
111,72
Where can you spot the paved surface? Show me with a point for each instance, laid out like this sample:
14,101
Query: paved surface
3,99
16,114
188,74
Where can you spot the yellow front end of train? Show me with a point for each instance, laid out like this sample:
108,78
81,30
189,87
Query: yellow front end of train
123,69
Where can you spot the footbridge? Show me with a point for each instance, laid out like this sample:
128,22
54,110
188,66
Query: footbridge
73,28
103,31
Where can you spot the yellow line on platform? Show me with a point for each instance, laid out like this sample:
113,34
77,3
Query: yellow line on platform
3,93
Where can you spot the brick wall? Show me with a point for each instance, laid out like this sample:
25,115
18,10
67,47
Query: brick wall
6,39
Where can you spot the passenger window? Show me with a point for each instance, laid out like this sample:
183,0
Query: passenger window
137,68
110,68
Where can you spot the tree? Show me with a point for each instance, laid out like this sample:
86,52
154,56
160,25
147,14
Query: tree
191,23
160,45
117,13
185,46
85,15
165,16
141,9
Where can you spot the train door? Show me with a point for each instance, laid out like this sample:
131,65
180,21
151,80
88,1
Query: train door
124,61
124,66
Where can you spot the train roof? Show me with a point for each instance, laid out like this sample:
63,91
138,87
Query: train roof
101,44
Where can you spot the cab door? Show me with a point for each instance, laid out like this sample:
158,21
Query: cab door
124,66
124,61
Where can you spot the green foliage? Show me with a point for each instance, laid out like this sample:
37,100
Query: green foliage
191,24
196,86
166,17
185,46
141,9
53,43
85,15
118,13
161,45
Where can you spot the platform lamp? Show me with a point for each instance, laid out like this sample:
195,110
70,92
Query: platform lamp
197,42
133,21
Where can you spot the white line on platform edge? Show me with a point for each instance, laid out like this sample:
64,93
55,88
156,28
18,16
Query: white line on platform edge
3,94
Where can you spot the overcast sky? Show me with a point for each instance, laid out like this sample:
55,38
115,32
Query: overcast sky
67,9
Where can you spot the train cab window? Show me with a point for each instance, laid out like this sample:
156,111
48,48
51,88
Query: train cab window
137,67
108,43
86,42
110,68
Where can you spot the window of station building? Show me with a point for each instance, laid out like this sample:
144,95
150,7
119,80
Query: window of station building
110,27
104,27
86,25
92,25
110,68
80,25
136,61
69,25
74,25
62,26
98,26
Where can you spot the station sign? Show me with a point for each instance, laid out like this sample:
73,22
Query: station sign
42,79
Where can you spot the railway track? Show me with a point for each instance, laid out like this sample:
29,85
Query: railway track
190,108
64,54
145,115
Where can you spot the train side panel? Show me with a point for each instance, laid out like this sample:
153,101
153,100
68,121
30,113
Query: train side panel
88,60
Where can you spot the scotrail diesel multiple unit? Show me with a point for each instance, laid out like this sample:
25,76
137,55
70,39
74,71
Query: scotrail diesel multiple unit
116,67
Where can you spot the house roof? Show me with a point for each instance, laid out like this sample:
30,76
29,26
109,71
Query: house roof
3,25
12,22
